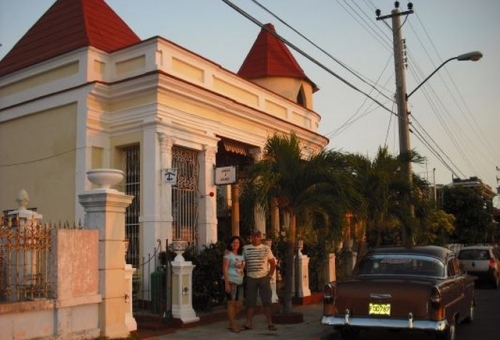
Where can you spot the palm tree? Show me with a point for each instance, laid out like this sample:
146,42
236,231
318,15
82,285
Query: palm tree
300,187
385,196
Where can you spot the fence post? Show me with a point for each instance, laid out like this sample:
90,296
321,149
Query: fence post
105,210
26,264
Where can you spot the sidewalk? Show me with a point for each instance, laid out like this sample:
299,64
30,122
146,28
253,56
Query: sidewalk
310,329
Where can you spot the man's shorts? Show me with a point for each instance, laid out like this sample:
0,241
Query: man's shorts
263,286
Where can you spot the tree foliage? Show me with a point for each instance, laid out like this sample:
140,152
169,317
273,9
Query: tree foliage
473,221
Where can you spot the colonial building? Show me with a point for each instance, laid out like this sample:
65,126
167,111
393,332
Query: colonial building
80,90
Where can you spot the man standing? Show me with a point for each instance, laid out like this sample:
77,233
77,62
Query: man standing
260,266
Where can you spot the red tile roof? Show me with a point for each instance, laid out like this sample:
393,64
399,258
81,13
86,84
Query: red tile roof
270,57
67,26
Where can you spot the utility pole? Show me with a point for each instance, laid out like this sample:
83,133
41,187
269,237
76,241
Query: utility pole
401,101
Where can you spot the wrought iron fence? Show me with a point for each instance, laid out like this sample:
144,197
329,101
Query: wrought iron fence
24,257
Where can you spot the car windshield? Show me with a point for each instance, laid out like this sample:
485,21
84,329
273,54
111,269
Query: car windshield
474,254
397,264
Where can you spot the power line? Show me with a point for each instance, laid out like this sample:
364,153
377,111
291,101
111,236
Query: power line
261,25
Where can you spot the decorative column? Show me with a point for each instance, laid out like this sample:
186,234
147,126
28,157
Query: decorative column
166,144
182,284
207,214
105,210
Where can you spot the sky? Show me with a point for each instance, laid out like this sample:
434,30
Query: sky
348,54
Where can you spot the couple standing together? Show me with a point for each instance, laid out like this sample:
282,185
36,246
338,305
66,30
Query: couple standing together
260,264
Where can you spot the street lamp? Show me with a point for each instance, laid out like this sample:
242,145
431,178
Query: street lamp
402,102
471,56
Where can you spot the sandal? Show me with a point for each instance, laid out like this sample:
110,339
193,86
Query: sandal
246,328
272,328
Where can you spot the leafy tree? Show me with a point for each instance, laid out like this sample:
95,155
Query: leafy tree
472,215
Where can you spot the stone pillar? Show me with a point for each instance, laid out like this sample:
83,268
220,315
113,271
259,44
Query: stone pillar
330,268
182,285
28,220
105,210
302,274
129,318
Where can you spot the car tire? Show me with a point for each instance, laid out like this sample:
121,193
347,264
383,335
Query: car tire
471,315
450,332
349,333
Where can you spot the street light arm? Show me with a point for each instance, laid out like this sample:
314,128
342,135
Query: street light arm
430,75
473,56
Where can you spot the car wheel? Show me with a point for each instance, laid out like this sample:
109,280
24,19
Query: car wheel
470,317
496,282
450,332
349,333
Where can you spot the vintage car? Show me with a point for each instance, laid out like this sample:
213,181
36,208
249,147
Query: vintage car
419,288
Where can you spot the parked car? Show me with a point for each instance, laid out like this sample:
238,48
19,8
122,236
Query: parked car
482,262
420,288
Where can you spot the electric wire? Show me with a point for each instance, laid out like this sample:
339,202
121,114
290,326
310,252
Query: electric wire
476,128
356,74
261,25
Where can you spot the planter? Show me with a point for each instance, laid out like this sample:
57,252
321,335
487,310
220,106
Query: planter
105,178
179,247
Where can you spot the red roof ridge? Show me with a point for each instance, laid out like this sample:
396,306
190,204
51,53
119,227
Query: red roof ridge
66,26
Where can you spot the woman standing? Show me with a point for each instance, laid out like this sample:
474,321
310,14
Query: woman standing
233,265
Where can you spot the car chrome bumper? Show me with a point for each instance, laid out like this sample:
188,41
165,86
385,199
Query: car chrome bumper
409,323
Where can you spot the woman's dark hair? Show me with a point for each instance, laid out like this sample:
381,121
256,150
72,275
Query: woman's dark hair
230,248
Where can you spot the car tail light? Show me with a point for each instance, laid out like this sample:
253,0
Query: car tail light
491,264
435,295
329,293
436,310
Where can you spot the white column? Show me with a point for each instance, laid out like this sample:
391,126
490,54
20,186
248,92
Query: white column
105,211
153,228
207,208
166,144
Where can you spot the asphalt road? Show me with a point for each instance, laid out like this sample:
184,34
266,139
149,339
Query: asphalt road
486,325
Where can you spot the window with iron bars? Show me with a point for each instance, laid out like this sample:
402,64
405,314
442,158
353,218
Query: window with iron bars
185,195
132,158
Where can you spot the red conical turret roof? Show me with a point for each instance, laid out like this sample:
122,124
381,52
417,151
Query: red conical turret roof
270,57
67,26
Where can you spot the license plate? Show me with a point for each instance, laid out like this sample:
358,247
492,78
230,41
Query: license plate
379,309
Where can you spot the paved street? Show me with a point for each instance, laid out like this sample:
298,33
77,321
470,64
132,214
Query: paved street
486,326
310,329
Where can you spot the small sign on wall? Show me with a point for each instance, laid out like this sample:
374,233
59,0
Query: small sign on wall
170,176
225,175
